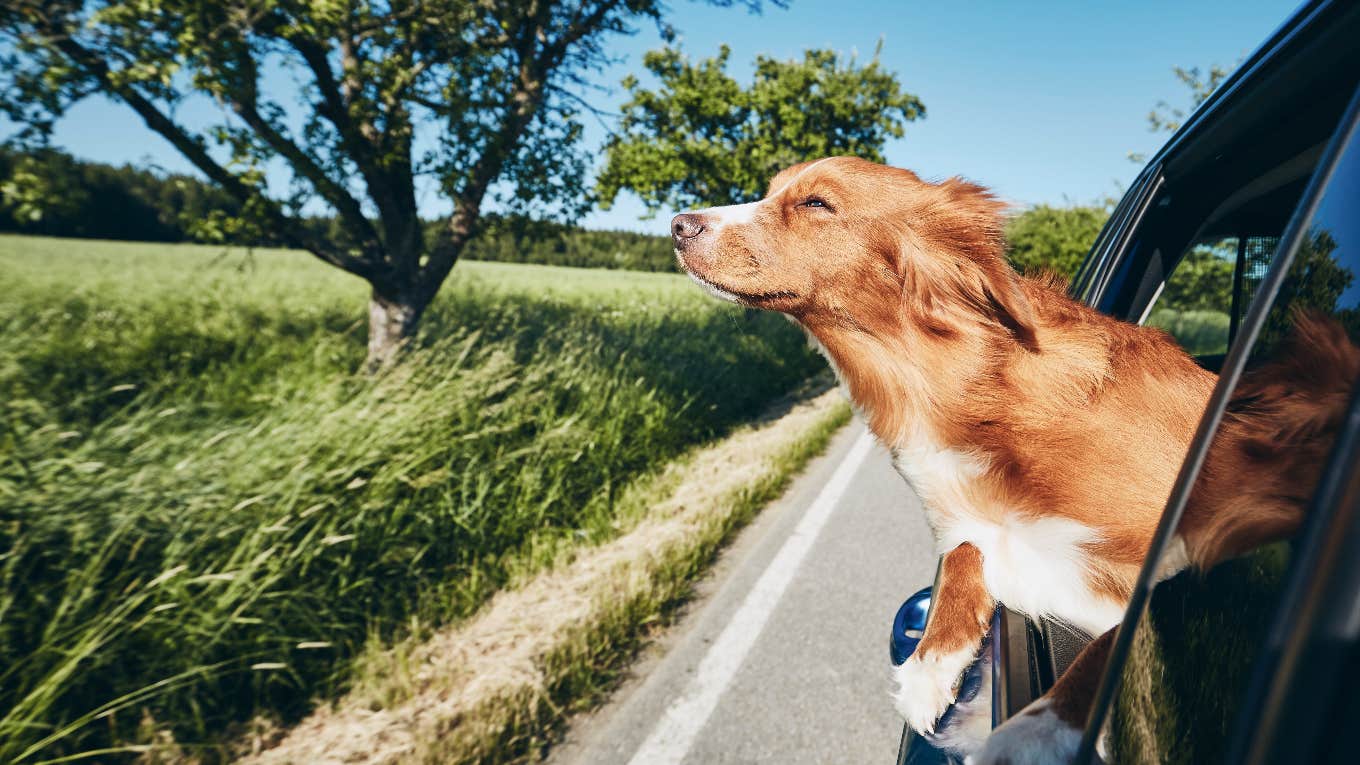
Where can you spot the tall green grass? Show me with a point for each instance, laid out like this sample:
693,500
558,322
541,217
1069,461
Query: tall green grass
204,512
1199,332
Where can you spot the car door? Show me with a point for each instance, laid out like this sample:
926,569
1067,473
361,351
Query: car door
1282,691
1188,246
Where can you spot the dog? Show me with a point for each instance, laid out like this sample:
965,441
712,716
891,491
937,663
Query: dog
1041,436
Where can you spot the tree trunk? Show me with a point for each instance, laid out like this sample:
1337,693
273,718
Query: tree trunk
392,320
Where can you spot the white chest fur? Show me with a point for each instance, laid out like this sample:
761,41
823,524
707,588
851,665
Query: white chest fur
1035,565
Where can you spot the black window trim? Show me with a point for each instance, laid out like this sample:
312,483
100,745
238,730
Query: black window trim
1150,182
1101,250
1233,366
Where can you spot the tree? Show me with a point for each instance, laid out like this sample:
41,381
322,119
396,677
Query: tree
362,99
51,193
1165,118
1054,239
701,138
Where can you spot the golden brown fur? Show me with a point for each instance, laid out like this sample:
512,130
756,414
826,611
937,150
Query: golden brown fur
1261,470
1265,459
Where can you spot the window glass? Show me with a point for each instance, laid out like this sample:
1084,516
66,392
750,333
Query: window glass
1195,303
1288,405
1203,301
1203,630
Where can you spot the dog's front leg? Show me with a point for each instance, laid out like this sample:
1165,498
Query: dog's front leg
1048,731
961,610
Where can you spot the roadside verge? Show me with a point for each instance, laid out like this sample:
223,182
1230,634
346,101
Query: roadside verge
497,687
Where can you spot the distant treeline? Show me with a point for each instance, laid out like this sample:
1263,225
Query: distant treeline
514,239
51,193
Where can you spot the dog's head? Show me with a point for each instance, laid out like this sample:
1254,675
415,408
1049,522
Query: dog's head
857,243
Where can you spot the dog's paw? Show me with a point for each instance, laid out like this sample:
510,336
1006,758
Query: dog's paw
1036,736
927,686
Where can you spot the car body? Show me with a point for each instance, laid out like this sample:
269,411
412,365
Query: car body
1261,179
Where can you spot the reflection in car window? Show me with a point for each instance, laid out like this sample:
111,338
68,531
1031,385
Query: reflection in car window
1287,406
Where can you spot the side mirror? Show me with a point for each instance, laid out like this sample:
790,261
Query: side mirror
909,625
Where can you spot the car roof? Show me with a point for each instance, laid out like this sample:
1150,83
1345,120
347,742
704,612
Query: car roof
1315,46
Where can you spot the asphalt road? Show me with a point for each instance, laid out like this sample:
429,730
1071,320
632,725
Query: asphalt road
783,656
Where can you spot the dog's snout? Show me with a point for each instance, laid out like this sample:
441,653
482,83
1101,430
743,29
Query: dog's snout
684,227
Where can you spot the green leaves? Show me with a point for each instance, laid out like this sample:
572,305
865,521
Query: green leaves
702,138
1055,239
1168,118
30,195
351,102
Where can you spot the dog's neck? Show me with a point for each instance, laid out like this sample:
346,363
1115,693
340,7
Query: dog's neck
900,379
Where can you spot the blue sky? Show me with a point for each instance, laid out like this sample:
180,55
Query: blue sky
1041,101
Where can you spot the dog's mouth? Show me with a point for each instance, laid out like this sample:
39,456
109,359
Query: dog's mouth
732,295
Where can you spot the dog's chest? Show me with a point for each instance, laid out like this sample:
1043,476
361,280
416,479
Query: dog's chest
1035,565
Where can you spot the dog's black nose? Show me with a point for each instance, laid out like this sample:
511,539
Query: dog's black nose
685,227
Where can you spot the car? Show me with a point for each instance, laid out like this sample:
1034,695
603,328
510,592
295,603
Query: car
1248,215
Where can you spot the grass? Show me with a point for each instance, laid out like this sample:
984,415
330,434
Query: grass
205,515
499,687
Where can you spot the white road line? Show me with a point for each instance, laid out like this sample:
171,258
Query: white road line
675,732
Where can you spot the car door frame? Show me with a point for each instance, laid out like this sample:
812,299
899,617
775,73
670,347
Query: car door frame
1345,136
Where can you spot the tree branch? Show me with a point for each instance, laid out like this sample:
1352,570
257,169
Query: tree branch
520,104
290,229
361,142
334,106
246,106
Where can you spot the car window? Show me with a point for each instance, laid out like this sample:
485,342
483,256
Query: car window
1194,304
1203,632
1193,261
1203,301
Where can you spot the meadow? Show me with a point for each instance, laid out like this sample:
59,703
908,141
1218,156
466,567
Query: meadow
206,514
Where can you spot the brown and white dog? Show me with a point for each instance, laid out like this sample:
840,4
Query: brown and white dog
1042,436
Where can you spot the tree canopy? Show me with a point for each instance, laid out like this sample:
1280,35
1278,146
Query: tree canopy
702,138
51,193
1054,239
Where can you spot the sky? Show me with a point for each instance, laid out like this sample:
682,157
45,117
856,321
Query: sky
1041,101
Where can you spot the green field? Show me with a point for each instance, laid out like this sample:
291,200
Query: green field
205,513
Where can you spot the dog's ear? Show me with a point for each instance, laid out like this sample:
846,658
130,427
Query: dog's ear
1006,297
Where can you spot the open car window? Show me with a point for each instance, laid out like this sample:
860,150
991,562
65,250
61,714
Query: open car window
1181,664
1202,633
1205,244
1202,303
1220,202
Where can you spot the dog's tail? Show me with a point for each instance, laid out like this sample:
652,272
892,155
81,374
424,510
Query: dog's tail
1275,437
